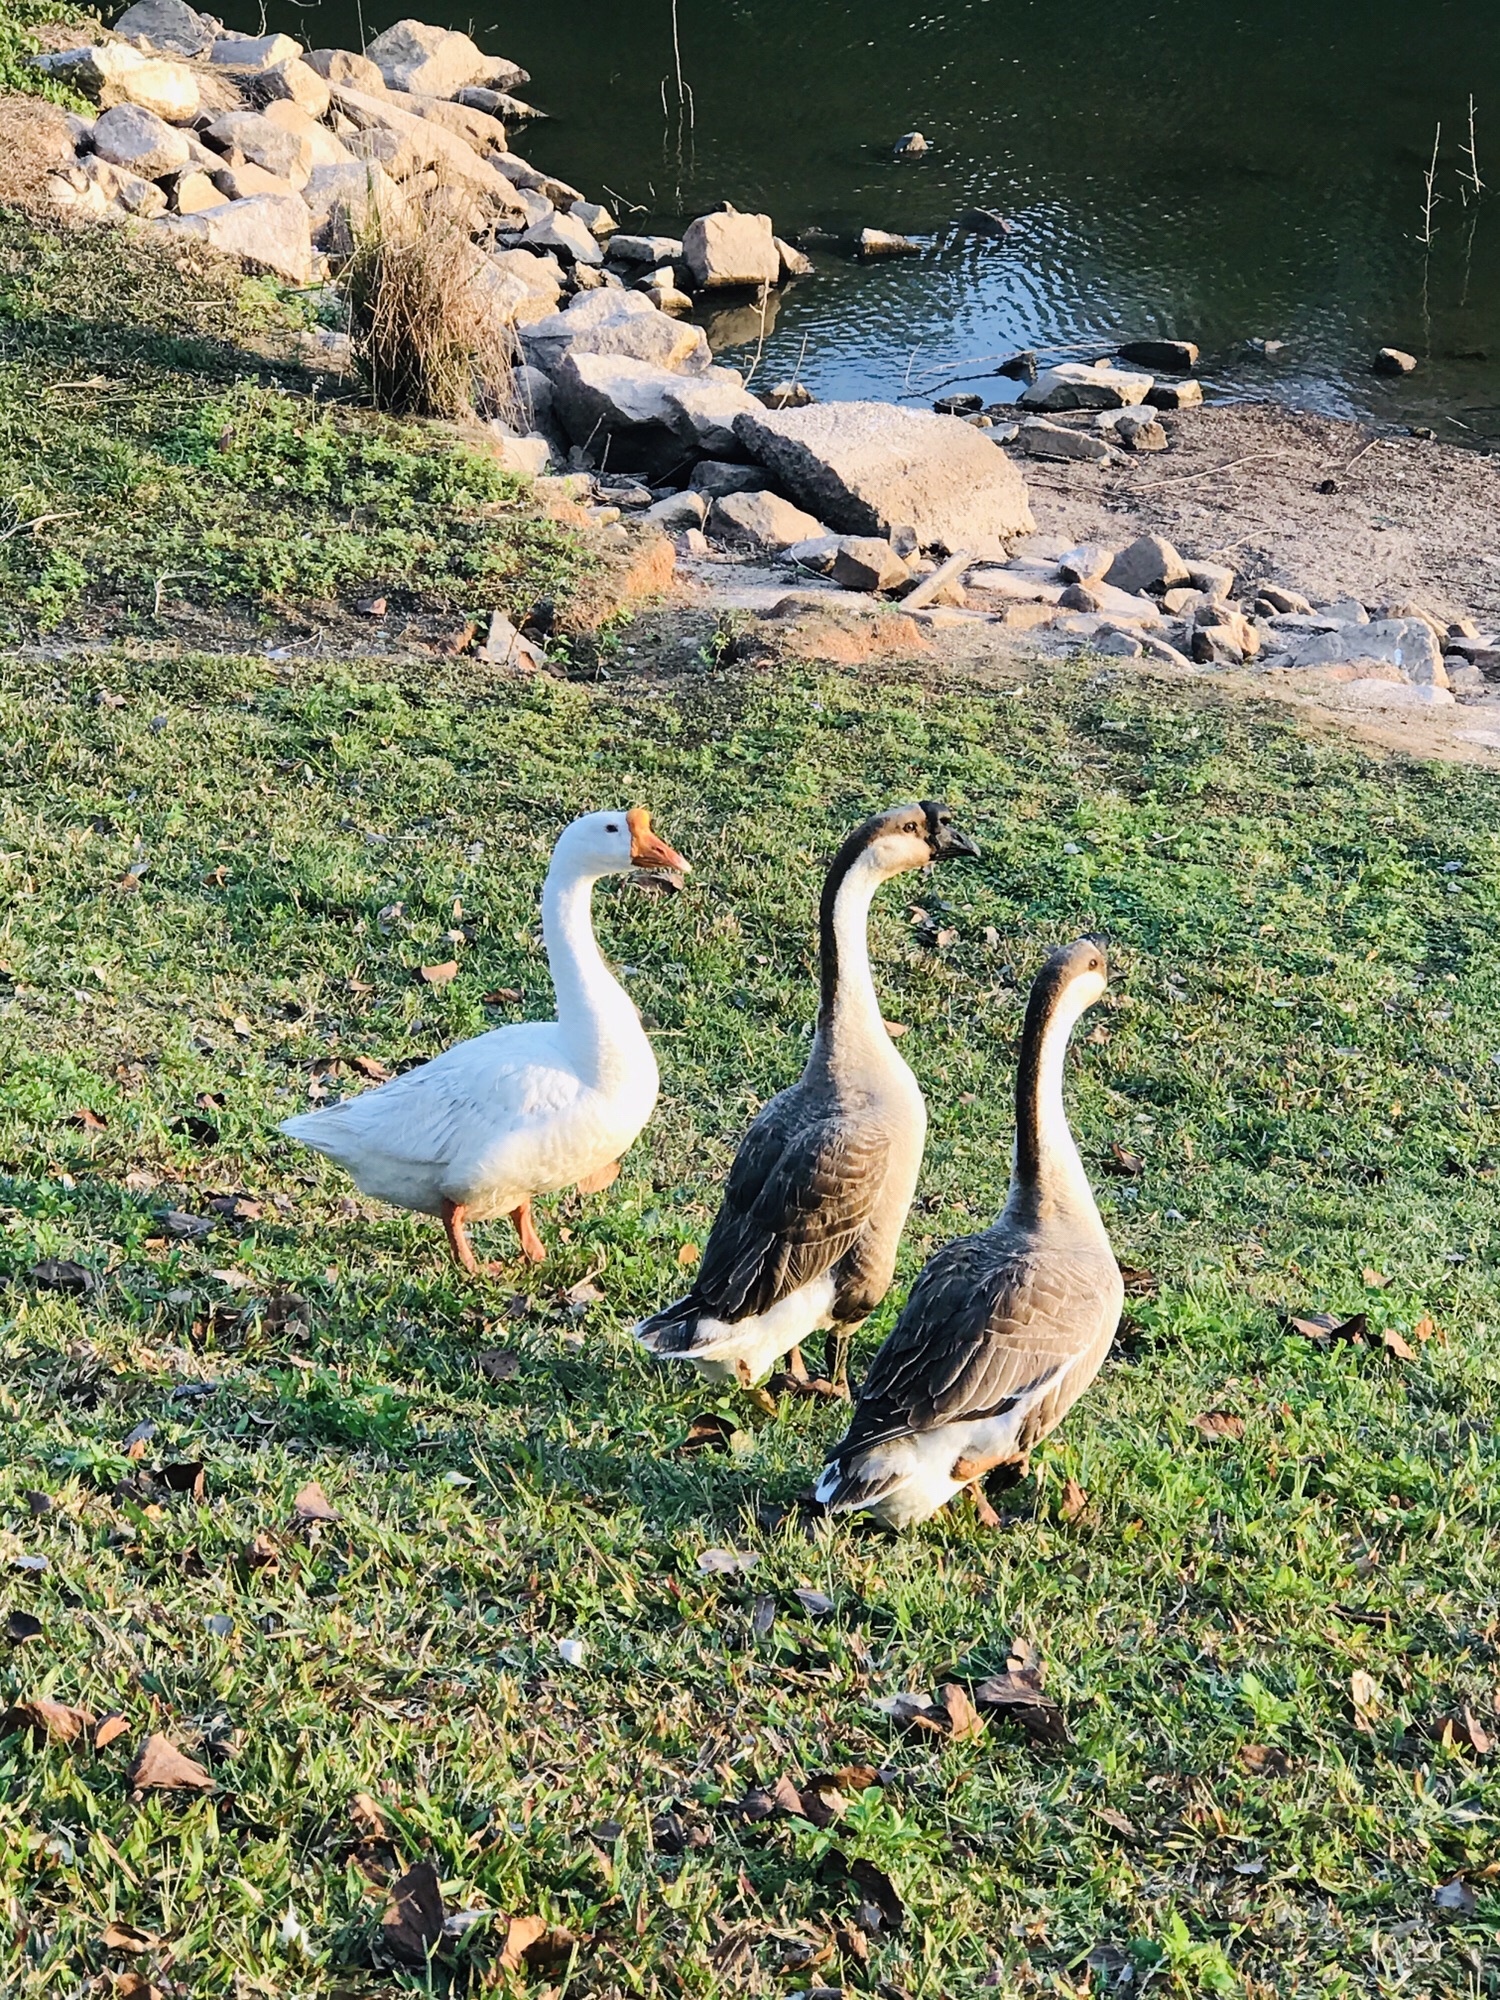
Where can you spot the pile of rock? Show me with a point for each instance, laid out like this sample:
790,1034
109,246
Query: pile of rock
1124,403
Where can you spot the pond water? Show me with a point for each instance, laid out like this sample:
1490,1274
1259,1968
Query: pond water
1230,173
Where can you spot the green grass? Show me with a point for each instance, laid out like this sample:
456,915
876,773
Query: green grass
1301,1045
20,21
161,445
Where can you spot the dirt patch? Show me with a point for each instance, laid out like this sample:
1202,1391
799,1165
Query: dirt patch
34,142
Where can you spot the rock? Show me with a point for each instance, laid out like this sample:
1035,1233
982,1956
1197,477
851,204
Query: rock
1181,600
1394,361
1396,694
505,646
595,218
193,192
985,222
498,104
568,237
761,521
271,231
1080,597
625,249
1408,644
911,146
131,137
705,409
882,243
867,468
245,181
794,262
620,409
717,476
342,194
534,206
1406,608
1039,439
1010,586
539,276
728,248
249,135
1463,677
787,396
1215,580
610,322
115,73
1149,563
865,562
1175,395
817,554
413,144
123,189
1462,628
1075,385
1137,430
520,175
253,52
1116,645
438,61
324,149
679,510
532,392
167,27
1178,357
1274,599
965,405
345,70
294,82
479,132
1229,640
529,456
1088,563
663,293
1344,611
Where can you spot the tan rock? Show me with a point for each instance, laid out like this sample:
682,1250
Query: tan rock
115,73
295,82
324,148
342,67
244,181
728,248
419,144
193,192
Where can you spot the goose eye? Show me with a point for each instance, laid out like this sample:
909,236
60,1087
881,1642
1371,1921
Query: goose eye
612,827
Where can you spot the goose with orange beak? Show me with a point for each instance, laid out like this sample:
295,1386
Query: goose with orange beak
531,1108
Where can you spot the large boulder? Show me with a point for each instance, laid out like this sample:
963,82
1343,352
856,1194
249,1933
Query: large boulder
115,73
761,521
325,148
416,144
270,231
622,411
414,56
567,237
728,248
866,468
477,129
1073,385
295,82
250,135
253,53
344,67
1148,563
120,188
705,409
167,28
130,137
339,198
610,322
1407,644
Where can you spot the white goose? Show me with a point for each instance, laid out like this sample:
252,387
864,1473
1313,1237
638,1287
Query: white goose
528,1109
1003,1331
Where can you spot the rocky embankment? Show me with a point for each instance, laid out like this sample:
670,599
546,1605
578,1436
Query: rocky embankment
277,155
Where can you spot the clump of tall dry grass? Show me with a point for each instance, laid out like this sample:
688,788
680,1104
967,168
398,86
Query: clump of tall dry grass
426,335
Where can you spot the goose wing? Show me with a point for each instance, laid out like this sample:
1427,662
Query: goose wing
988,1325
802,1191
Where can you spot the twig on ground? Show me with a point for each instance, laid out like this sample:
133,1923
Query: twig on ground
37,522
174,576
1266,451
929,587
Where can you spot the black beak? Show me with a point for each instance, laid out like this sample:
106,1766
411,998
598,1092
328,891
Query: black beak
950,842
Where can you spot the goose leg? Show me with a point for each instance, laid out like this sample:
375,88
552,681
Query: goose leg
532,1247
836,1359
796,1367
456,1228
596,1183
984,1513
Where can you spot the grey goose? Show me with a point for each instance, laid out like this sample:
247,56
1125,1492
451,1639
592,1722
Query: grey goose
816,1200
1004,1330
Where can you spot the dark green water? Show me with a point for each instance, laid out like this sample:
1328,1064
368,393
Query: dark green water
1221,171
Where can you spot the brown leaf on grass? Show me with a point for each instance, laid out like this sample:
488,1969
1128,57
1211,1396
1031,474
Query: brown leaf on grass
815,1603
260,1551
21,1626
820,1803
498,1364
159,1766
1219,1424
134,1986
413,1922
62,1274
47,1721
1019,1698
1392,1343
108,1729
1460,1731
1264,1760
1116,1822
964,1720
438,975
578,1298
1074,1501
852,1943
501,996
1124,1163
1139,1284
1364,1693
312,1504
1025,1657
847,1778
896,1029
532,1942
372,1067
708,1431
236,1207
126,1937
1377,1280
688,1254
1424,1330
878,1888
90,1121
188,1477
1323,1328
1456,1896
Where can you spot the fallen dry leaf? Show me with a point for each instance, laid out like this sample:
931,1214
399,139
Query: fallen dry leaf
108,1729
502,996
498,1364
532,1941
1019,1698
135,1986
47,1721
708,1431
312,1504
438,975
1116,1821
1456,1896
21,1626
1377,1280
126,1937
878,1888
1461,1731
1264,1760
260,1551
1123,1162
1393,1343
61,1274
160,1766
1324,1327
1424,1330
852,1943
578,1298
1074,1501
90,1121
964,1720
726,1562
372,1067
413,1922
1365,1695
1139,1284
896,1029
815,1603
688,1254
1219,1424
188,1477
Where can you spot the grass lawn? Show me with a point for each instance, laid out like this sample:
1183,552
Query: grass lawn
218,879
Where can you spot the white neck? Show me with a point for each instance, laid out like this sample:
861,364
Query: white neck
594,1011
1047,1174
853,1024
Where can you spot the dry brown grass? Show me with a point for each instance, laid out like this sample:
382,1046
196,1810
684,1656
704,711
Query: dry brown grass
426,336
34,142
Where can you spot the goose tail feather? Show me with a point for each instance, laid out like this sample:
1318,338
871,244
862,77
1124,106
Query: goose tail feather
673,1329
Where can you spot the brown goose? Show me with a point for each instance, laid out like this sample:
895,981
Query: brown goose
1003,1331
816,1200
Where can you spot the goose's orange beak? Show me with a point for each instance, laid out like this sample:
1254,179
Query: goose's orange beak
648,849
